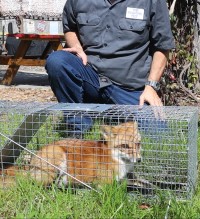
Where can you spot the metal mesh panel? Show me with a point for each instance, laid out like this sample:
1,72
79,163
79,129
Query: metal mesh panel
10,7
83,145
50,8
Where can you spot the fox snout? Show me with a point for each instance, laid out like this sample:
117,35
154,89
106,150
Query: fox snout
137,159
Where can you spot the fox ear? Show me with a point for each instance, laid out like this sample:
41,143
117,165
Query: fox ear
106,132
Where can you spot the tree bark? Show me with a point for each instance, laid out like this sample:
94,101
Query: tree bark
197,44
197,35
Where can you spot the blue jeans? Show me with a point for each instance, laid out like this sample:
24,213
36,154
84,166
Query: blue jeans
73,82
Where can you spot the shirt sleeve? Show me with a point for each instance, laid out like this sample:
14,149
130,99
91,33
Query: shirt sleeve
68,17
161,35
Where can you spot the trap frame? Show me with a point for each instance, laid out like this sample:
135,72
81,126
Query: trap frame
168,140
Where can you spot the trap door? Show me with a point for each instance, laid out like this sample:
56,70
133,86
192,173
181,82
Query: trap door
22,136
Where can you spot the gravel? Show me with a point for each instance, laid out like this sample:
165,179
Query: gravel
29,84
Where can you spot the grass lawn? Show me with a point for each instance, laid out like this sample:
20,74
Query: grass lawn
29,200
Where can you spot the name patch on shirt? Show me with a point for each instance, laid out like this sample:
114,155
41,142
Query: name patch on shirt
135,13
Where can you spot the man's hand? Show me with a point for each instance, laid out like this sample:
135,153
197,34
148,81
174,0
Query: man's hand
150,96
74,46
79,52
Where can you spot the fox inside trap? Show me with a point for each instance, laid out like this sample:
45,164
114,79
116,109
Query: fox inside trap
84,145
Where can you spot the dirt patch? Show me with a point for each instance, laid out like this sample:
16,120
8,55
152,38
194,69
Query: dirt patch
29,84
27,94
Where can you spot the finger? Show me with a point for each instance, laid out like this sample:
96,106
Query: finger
84,62
84,59
159,113
156,112
159,102
72,50
141,103
158,109
155,101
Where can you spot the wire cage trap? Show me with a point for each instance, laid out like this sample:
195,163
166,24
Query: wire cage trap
84,145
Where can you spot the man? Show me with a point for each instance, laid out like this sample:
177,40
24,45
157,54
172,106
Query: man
117,52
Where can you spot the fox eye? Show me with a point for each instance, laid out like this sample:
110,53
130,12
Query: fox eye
124,145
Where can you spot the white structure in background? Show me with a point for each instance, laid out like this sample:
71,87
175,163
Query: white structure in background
10,8
37,16
44,8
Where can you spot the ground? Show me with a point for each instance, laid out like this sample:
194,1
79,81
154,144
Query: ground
30,84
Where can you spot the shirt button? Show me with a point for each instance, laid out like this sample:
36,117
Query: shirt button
108,26
105,44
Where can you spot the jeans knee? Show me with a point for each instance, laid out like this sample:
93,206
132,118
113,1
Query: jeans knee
53,62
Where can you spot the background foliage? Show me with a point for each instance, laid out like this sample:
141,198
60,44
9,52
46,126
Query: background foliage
180,84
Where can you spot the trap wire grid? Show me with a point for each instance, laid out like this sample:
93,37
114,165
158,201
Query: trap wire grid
169,138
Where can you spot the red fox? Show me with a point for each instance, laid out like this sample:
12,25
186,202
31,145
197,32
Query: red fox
88,161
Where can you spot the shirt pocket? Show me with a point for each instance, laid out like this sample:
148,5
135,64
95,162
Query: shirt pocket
133,31
88,27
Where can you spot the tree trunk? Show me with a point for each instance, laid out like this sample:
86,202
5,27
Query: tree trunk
197,44
197,35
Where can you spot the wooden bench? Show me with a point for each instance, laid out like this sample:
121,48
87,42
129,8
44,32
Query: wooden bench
20,58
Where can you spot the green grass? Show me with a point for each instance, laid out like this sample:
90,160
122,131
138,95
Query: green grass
32,201
29,200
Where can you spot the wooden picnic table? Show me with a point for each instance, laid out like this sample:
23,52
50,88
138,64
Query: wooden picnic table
20,58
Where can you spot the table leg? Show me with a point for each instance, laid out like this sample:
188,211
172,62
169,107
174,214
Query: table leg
46,51
13,68
56,45
52,45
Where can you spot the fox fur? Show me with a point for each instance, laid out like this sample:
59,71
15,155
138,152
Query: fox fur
89,161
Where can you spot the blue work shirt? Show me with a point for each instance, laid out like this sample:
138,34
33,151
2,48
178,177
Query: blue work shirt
120,39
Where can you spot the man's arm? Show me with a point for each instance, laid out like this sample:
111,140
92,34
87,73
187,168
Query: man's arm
158,65
157,68
74,46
